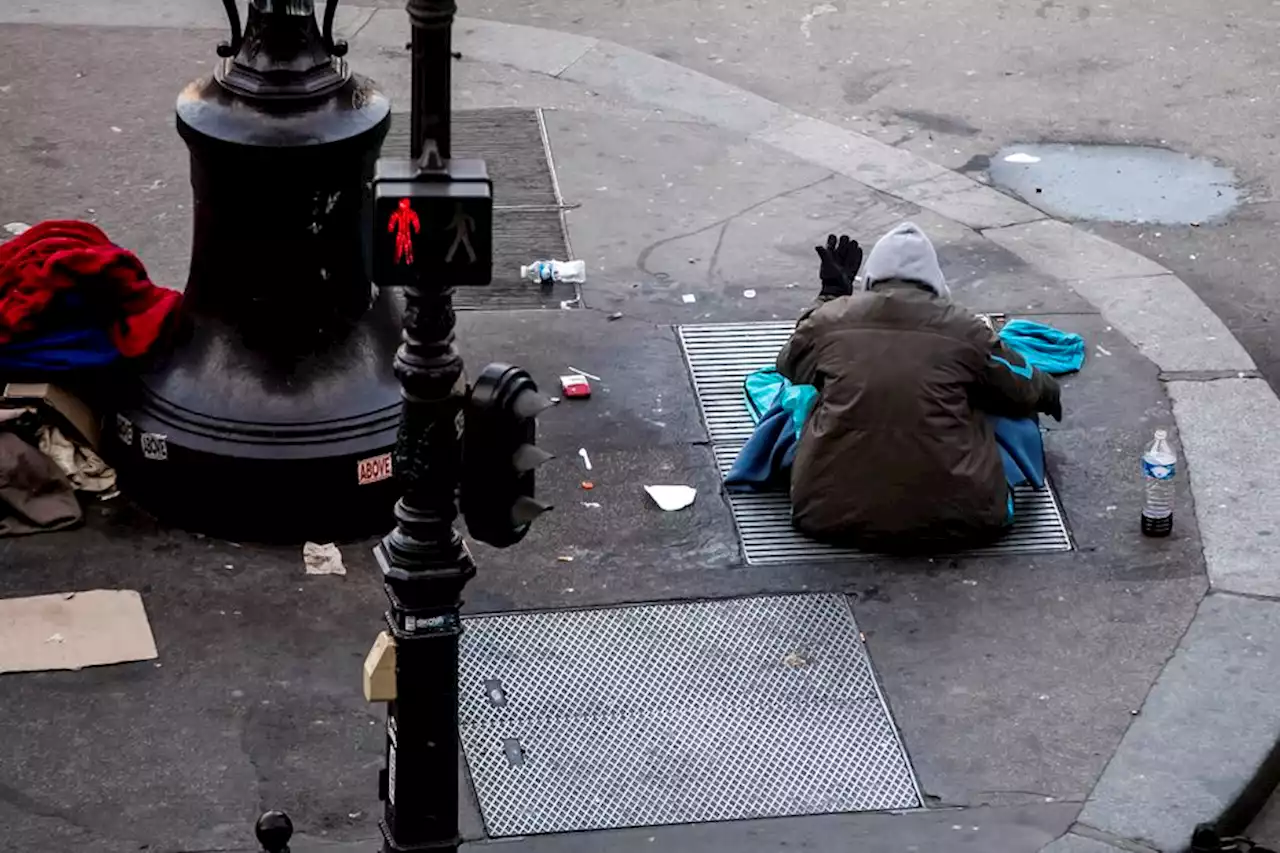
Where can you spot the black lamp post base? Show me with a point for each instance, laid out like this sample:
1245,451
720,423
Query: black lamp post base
272,501
234,442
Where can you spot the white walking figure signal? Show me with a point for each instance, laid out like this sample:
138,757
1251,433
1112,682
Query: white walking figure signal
462,226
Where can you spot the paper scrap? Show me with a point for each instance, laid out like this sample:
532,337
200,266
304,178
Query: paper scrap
16,228
1022,157
749,294
74,630
323,559
672,498
689,298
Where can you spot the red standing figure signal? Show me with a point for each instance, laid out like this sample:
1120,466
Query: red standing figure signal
404,224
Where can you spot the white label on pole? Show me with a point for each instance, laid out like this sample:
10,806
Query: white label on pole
373,469
391,773
154,446
124,429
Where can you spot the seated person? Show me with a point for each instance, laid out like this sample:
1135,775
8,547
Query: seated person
898,452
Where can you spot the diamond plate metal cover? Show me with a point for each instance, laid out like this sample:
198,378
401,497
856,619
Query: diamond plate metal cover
720,356
676,713
528,211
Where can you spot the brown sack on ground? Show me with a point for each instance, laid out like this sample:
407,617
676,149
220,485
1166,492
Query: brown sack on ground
35,496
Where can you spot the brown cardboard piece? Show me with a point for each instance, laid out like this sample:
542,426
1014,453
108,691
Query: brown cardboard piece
380,670
72,630
70,409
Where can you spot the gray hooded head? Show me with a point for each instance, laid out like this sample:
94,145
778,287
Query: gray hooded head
905,253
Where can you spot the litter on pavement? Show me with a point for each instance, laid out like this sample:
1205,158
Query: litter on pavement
323,559
581,372
575,385
672,498
72,630
586,460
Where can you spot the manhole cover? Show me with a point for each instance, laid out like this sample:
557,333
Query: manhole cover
1116,183
528,218
676,713
720,356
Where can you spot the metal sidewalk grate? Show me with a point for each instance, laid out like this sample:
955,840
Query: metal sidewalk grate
676,713
528,211
720,356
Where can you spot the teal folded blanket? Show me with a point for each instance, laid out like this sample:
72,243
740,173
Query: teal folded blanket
1052,350
767,388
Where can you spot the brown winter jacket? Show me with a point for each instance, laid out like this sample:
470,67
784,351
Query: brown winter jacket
897,453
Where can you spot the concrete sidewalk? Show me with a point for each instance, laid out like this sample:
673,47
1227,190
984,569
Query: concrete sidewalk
1099,693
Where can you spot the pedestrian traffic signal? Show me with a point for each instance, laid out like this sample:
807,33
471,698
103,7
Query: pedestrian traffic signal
500,454
432,227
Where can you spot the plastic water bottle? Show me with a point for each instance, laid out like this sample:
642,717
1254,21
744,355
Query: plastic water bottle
545,272
1159,465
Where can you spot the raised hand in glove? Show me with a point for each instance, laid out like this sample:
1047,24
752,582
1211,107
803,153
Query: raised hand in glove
841,260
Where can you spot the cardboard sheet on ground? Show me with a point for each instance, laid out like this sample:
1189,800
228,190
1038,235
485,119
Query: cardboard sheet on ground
72,630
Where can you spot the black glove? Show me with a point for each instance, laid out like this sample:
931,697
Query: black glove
841,260
1051,401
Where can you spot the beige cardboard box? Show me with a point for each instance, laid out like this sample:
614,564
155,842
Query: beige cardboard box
380,670
70,409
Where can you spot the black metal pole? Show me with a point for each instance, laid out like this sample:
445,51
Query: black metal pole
432,75
424,561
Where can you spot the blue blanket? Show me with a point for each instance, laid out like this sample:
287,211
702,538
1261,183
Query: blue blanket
764,464
55,352
1052,350
779,409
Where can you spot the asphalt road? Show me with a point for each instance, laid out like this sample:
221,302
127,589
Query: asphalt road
955,80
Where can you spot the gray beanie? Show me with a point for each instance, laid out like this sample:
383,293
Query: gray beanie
905,253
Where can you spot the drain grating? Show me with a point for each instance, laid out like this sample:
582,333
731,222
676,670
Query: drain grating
720,356
528,212
676,713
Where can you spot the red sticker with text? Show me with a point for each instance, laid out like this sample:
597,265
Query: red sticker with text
373,469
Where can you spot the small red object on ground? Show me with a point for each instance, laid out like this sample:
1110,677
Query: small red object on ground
575,385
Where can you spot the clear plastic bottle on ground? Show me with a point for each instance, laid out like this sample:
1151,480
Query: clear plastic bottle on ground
544,272
1159,466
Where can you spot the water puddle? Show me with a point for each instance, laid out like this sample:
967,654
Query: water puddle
1116,183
